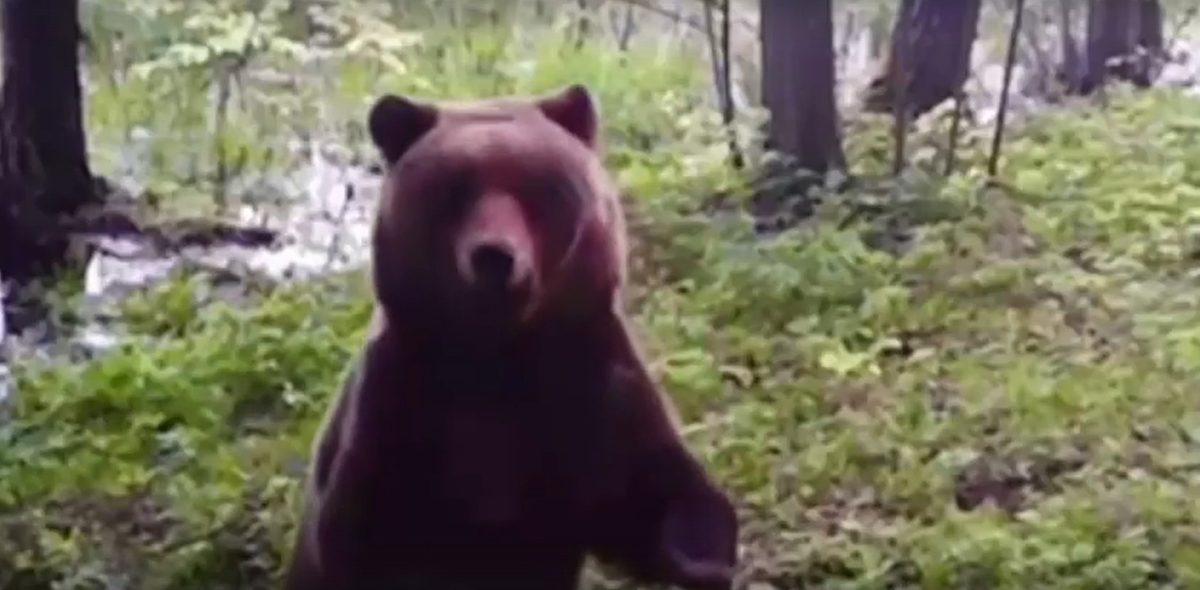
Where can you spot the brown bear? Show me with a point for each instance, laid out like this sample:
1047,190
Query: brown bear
500,424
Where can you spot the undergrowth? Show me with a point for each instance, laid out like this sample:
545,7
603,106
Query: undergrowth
974,386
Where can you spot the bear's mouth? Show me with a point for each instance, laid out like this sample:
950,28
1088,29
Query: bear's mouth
498,304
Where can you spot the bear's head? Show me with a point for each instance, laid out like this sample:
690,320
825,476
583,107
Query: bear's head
494,213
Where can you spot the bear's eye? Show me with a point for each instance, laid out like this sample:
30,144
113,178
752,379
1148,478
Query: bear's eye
453,196
554,203
554,190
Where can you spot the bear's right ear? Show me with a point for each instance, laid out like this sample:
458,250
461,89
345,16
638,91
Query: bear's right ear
574,109
396,123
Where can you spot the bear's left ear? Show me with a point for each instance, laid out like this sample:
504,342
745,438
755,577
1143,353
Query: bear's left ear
396,123
574,109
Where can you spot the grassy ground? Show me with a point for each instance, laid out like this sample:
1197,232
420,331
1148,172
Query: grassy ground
1008,404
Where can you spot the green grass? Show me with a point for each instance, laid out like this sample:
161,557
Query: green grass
1010,404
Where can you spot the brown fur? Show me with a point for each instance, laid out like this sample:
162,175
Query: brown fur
492,438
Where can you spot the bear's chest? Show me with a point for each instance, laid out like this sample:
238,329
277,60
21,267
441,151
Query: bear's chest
498,469
522,468
486,469
499,458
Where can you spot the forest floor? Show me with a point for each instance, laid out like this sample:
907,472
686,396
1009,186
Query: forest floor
939,383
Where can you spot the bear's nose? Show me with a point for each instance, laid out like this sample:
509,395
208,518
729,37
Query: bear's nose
492,265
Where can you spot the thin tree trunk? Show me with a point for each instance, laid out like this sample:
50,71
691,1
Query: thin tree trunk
583,26
719,50
44,174
624,32
1073,71
224,79
715,60
898,85
930,56
952,142
729,112
1002,113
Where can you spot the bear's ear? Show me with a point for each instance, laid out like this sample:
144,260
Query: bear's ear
396,123
574,109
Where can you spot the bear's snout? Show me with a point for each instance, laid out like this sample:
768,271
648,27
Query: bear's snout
495,250
493,266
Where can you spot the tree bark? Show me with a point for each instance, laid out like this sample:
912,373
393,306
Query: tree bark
1150,28
930,56
798,83
1129,32
44,174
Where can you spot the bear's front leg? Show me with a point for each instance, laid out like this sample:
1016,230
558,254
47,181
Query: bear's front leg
339,533
670,526
670,523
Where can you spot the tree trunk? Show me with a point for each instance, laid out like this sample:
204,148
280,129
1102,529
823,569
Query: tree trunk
1127,32
798,83
930,56
44,175
1150,28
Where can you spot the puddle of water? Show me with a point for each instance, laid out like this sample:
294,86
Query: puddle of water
325,228
325,231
